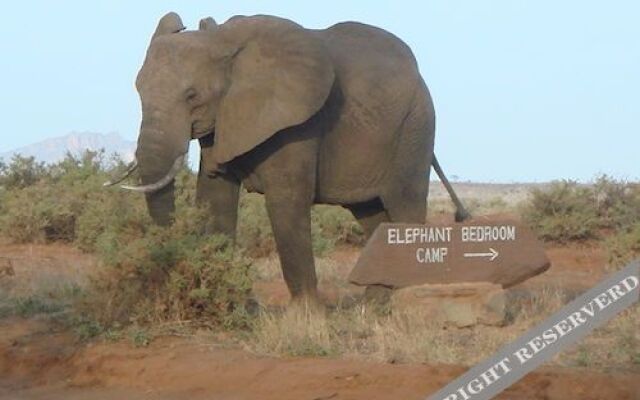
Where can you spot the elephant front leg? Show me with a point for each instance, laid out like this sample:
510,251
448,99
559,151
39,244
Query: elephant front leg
291,224
220,195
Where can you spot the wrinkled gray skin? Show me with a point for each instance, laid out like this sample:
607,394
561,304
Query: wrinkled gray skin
335,116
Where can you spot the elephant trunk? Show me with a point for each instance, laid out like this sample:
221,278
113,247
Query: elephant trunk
160,157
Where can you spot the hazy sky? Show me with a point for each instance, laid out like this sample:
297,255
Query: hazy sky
524,90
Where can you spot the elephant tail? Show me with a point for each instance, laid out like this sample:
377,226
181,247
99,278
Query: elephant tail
461,212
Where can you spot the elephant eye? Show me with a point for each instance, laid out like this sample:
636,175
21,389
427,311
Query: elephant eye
191,95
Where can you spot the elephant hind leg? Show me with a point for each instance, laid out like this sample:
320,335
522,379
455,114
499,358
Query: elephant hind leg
370,214
405,195
408,205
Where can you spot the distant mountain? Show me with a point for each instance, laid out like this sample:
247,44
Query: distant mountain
54,149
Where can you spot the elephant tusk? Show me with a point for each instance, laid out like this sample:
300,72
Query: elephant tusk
175,168
132,167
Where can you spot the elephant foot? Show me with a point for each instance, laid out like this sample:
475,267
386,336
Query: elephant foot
308,303
377,298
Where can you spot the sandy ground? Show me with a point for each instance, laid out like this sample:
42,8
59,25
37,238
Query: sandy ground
40,361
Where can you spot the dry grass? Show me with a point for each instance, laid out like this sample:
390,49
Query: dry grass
481,199
328,271
614,346
407,337
493,205
357,333
300,330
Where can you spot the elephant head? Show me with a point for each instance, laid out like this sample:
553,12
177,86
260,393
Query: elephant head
236,84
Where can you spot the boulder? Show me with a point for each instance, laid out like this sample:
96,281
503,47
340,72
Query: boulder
457,304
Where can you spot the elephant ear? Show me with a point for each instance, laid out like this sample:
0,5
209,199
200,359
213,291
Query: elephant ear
169,23
207,24
280,76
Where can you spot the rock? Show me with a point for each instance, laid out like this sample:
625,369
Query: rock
458,304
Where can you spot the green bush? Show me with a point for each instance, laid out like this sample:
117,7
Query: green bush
34,305
623,247
37,214
21,172
108,212
27,213
152,273
332,225
51,206
66,201
563,212
148,273
175,273
254,228
617,203
569,211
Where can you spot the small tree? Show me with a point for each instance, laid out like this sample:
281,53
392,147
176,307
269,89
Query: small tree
21,172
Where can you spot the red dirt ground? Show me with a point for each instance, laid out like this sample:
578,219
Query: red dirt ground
38,361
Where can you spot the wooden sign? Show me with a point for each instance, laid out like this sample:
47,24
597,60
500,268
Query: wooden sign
482,249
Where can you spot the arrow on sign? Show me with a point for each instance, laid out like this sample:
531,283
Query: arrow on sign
492,254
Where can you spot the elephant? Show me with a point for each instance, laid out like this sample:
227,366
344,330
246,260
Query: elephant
335,116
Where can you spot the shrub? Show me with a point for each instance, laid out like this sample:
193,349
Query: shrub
149,273
157,274
336,225
51,206
617,203
21,172
37,213
162,278
66,201
254,228
623,247
107,212
569,211
562,213
33,305
152,273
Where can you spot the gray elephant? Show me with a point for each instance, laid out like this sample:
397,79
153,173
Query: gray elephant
333,116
